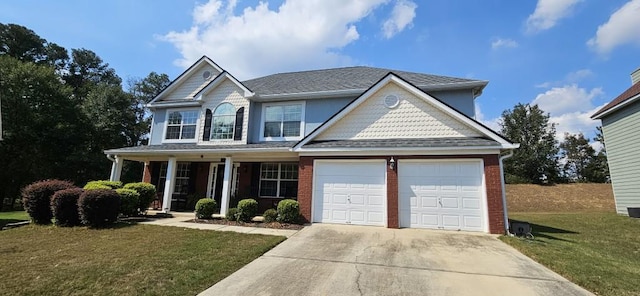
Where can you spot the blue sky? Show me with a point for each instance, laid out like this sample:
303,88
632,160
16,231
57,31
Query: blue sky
568,56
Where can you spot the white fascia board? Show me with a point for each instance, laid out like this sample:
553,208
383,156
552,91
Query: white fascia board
189,103
193,151
618,107
399,151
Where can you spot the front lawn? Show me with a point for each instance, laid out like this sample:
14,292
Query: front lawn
598,251
125,260
12,217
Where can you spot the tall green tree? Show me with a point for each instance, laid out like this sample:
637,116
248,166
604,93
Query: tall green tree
40,125
25,45
577,156
536,161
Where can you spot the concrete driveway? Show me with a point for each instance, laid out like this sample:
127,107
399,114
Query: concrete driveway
358,260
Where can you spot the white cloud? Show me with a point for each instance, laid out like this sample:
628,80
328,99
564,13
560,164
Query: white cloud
402,16
504,43
623,27
490,123
575,122
297,34
567,99
548,13
579,75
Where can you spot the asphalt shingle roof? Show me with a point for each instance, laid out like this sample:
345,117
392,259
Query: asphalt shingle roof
404,143
342,79
631,92
191,146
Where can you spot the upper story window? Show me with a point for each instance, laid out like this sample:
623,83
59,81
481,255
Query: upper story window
222,122
283,121
181,125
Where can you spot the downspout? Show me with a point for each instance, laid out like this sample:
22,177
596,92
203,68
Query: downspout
504,192
114,160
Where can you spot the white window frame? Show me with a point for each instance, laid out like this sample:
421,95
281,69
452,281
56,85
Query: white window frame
278,179
264,117
233,126
166,125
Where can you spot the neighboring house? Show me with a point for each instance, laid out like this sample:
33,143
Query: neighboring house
620,128
356,145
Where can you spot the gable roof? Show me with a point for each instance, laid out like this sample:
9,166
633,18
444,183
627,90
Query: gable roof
393,78
186,74
218,80
348,80
628,96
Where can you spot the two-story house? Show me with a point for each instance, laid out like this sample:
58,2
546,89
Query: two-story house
355,145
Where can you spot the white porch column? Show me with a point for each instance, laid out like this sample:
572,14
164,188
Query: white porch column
168,185
226,185
116,169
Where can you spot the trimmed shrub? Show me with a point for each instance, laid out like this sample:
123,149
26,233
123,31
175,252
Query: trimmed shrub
232,214
270,215
64,205
110,184
129,200
247,209
205,208
36,199
95,186
147,194
288,211
99,208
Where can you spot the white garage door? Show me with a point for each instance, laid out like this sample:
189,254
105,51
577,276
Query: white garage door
350,192
441,194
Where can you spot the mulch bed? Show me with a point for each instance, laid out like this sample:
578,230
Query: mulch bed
275,225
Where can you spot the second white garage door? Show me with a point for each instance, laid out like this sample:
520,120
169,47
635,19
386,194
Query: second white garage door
350,192
441,194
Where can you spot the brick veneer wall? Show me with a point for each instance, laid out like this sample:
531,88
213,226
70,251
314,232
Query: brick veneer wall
492,186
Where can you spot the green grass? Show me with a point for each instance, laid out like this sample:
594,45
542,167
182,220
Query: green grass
125,260
12,217
598,251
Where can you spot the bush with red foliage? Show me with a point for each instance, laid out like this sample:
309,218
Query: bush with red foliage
99,207
64,206
36,199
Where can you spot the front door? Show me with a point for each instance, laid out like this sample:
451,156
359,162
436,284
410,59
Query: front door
216,177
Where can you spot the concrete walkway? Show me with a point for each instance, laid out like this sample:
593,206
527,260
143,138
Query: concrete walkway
359,260
178,220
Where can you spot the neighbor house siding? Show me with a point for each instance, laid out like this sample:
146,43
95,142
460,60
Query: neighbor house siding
622,140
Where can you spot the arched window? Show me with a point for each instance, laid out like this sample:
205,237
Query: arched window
222,122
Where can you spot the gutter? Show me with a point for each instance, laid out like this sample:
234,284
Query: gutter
504,192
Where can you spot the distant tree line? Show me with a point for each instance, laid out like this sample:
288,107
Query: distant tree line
541,158
61,109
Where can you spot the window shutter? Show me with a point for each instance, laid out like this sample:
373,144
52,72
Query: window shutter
237,131
207,126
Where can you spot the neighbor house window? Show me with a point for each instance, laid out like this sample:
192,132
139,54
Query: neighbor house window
279,180
223,121
283,121
181,125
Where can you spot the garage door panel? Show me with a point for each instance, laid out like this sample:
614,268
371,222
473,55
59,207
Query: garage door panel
471,204
354,191
441,194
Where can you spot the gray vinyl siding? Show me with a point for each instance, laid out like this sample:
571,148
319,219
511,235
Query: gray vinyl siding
157,129
461,100
622,138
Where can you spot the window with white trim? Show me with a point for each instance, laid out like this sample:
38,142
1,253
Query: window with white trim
181,125
283,121
181,184
222,122
279,180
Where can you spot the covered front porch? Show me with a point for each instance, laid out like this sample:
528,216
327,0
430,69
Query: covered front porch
183,178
